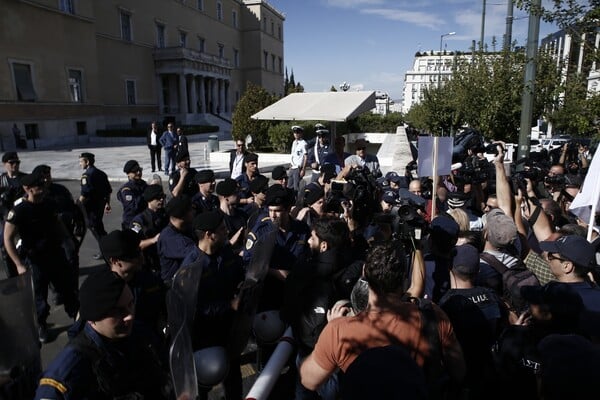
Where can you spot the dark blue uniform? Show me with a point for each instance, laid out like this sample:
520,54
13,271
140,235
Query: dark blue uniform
173,246
291,249
96,190
244,192
201,203
90,367
148,224
234,222
42,250
131,196
149,296
190,187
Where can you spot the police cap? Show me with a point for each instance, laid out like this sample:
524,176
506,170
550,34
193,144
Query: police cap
251,157
99,293
41,169
179,206
277,195
153,192
205,176
123,245
227,187
297,128
259,184
10,156
208,221
88,156
312,193
279,172
182,156
35,179
131,166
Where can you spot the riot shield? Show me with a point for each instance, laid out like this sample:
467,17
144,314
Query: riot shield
250,292
181,306
20,362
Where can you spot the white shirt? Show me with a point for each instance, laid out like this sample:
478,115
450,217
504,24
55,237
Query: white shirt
298,153
153,137
237,166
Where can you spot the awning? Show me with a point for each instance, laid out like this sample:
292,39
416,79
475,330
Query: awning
322,106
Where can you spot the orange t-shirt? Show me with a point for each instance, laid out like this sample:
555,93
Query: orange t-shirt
343,339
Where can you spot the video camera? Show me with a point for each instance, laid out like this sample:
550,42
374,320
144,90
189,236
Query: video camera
411,225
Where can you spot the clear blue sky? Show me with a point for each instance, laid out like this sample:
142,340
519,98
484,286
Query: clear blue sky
371,43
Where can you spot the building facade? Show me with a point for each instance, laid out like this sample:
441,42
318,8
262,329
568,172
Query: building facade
71,67
571,55
429,69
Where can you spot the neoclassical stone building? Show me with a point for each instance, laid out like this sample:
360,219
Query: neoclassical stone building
71,67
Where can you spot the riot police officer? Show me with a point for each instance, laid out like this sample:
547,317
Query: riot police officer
182,181
222,272
149,223
175,241
35,221
95,195
108,359
235,219
10,191
205,200
245,196
131,194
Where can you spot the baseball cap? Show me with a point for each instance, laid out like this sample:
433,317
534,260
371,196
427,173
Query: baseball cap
501,229
466,260
279,172
99,293
312,193
572,247
120,244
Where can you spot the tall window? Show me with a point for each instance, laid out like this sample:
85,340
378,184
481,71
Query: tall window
234,18
23,82
130,91
279,31
280,64
265,24
236,58
200,5
182,39
75,86
272,28
160,36
219,11
125,26
201,44
66,6
221,50
266,57
273,62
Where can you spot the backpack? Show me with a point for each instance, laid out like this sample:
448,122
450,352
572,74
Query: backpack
513,279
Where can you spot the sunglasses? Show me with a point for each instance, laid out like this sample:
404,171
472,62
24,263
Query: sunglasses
551,256
360,148
13,162
239,144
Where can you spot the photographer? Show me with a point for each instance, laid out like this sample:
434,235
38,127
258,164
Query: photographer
573,157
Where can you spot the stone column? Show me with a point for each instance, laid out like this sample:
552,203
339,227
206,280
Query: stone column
159,94
194,97
214,95
202,95
222,96
183,97
226,96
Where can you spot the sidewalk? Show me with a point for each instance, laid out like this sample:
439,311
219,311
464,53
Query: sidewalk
65,162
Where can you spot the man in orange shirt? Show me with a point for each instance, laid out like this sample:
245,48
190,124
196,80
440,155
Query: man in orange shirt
387,320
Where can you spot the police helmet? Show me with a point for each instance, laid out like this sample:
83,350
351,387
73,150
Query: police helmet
268,326
211,366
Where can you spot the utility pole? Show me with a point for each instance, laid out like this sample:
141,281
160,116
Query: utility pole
533,35
509,22
482,27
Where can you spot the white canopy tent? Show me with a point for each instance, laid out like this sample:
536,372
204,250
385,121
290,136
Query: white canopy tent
321,106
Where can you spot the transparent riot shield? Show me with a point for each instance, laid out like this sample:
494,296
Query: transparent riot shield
250,292
181,306
20,362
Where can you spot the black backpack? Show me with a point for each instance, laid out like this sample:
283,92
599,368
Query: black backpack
513,279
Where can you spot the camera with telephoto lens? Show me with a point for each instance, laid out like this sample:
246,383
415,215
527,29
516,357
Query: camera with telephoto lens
492,148
411,225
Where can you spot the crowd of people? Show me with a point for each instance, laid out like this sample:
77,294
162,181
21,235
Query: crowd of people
481,287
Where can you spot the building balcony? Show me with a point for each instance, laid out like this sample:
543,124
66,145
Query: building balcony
182,55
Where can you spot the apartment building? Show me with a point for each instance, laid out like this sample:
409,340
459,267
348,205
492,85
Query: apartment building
71,67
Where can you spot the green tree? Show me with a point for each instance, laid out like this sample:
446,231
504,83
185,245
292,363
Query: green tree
255,98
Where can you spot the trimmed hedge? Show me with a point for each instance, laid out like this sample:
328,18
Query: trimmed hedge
141,132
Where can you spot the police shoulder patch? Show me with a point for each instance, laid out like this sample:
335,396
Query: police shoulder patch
84,180
137,228
128,197
10,216
249,244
